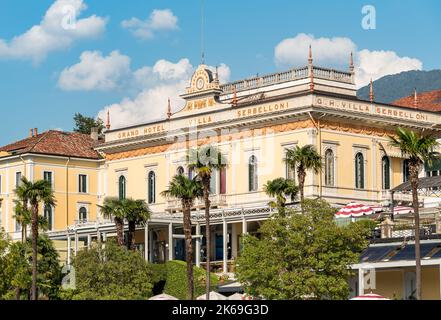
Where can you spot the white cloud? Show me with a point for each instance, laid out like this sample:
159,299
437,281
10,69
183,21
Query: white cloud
95,72
334,52
376,64
58,30
159,82
159,20
294,51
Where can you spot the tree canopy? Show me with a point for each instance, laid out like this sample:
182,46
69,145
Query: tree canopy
310,255
111,273
84,124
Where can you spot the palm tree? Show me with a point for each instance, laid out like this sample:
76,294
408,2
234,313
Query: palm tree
22,214
112,208
35,193
302,159
419,150
281,188
204,161
136,212
186,189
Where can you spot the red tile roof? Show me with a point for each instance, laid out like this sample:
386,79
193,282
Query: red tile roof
52,142
429,101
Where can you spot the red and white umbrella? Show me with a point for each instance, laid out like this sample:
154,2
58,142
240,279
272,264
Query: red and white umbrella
355,210
403,210
370,296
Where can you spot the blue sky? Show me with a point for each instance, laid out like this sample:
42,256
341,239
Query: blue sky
242,36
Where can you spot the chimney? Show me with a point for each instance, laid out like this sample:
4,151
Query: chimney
35,132
94,133
31,133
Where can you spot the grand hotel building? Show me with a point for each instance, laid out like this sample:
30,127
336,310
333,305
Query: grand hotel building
253,122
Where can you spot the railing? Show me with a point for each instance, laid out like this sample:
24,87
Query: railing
217,200
285,76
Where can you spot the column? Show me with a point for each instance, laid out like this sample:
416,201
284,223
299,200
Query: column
225,247
89,240
151,246
68,249
244,227
198,245
360,281
234,244
170,241
76,242
146,241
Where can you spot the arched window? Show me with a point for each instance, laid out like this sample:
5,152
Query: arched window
406,170
122,186
359,171
329,167
213,181
191,174
151,187
252,174
385,169
48,216
180,171
82,214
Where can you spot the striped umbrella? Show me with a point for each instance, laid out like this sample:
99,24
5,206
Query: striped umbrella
355,210
370,296
403,210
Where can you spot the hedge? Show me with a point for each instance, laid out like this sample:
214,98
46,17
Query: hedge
174,274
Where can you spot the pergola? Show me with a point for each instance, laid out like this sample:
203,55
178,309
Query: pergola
428,186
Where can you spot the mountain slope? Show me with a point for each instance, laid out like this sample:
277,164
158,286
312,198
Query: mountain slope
394,87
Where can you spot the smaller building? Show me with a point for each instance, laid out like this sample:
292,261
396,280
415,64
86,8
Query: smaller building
68,161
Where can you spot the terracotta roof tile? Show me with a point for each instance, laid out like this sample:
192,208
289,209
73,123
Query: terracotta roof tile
54,142
429,101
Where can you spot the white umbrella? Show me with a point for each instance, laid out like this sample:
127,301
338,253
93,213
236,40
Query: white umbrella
239,296
163,296
370,296
213,296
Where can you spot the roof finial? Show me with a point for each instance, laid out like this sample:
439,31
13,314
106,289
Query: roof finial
311,84
310,55
217,74
108,120
371,91
351,63
234,101
415,99
169,113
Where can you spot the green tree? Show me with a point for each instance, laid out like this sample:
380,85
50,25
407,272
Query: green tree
35,193
187,190
22,215
302,159
281,188
136,212
85,124
418,149
310,256
16,270
113,209
110,273
204,161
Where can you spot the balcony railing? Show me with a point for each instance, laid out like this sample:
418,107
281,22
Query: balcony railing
217,201
285,76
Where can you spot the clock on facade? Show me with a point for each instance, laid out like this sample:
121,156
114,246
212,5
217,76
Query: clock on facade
200,83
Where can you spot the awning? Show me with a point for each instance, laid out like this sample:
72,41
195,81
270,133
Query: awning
370,296
355,210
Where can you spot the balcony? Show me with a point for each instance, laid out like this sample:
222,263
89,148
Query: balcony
217,201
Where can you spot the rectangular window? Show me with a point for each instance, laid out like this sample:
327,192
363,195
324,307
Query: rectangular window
223,181
0,184
17,179
47,176
82,183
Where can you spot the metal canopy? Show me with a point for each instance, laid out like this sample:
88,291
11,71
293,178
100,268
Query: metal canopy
427,183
